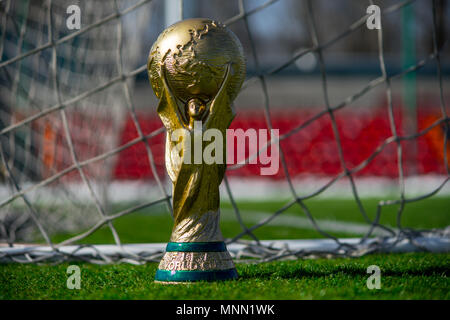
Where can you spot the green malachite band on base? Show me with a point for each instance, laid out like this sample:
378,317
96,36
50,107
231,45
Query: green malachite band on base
196,275
196,247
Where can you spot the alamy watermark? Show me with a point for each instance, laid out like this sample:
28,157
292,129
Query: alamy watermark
374,281
190,147
374,20
74,280
73,22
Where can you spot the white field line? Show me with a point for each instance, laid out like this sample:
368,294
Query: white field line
368,187
254,189
286,220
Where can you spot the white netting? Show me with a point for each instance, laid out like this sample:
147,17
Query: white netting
63,94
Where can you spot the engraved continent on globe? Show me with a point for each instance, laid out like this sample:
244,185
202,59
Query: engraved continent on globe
195,54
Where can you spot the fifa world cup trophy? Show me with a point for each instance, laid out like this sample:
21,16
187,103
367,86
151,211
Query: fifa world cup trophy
196,68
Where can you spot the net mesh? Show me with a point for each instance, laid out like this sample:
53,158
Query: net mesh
49,156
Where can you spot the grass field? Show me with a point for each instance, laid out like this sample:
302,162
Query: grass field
403,276
154,224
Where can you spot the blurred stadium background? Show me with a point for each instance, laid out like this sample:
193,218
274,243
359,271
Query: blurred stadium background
38,149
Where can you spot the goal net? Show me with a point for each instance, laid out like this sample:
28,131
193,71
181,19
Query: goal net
79,147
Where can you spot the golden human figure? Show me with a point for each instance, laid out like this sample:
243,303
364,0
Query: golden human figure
196,68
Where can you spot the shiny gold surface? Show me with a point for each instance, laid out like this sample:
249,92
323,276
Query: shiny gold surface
196,68
196,53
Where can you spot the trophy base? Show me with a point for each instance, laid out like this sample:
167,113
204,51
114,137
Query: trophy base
187,262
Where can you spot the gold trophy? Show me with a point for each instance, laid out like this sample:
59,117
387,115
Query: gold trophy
196,68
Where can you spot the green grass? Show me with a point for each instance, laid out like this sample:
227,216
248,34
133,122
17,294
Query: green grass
428,213
154,224
403,276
